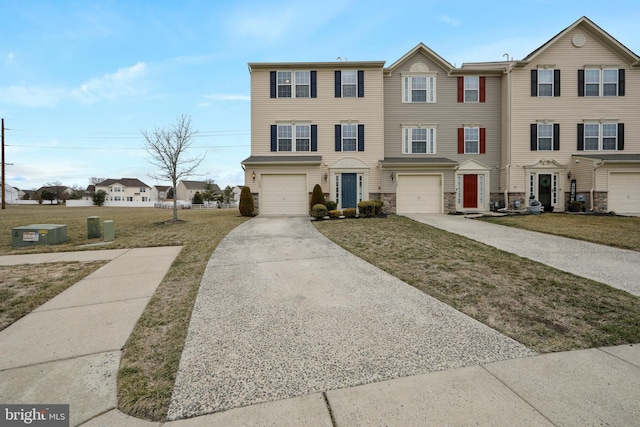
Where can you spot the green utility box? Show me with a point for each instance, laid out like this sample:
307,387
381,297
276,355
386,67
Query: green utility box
38,235
93,227
109,230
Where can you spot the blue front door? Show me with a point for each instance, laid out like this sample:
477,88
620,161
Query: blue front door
349,190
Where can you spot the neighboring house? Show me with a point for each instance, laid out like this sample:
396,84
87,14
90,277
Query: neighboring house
425,136
237,189
89,192
314,123
159,193
11,194
187,189
572,101
62,192
125,190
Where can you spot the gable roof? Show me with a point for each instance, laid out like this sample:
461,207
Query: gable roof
199,185
422,48
594,30
125,182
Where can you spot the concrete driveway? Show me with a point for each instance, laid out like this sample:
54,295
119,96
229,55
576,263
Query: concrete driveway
283,312
615,267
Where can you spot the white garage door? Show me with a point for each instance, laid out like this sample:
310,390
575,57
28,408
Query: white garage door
284,195
419,194
624,192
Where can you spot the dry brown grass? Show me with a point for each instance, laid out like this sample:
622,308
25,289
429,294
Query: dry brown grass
23,288
151,355
545,309
616,231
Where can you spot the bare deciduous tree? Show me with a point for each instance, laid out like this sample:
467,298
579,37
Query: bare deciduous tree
168,148
95,180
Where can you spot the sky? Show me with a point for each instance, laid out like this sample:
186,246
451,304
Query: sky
80,80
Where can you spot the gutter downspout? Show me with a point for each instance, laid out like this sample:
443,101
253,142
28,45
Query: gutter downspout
593,182
508,142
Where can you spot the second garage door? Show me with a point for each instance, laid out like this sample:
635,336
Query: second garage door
624,192
419,194
284,195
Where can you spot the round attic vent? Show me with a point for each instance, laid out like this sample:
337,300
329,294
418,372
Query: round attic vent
578,40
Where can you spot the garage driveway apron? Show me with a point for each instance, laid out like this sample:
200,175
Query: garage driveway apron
284,312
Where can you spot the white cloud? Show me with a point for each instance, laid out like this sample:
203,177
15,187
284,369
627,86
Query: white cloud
122,83
10,57
449,20
229,97
36,97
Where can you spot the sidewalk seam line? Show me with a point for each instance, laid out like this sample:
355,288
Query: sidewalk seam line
518,394
90,304
326,402
602,349
63,359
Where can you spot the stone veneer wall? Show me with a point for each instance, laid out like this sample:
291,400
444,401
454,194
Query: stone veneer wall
517,196
256,204
450,203
600,201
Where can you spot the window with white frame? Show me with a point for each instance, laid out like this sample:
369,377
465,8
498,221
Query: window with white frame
349,137
419,140
545,137
298,133
471,89
142,189
349,81
419,89
129,199
303,84
284,84
600,136
545,82
471,140
600,82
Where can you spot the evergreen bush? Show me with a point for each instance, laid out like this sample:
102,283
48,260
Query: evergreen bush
246,202
319,211
367,208
334,213
331,205
317,197
379,207
349,213
197,199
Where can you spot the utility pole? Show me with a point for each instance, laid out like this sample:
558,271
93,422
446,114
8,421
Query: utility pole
3,193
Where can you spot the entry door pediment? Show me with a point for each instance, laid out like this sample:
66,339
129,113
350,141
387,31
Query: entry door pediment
349,163
472,165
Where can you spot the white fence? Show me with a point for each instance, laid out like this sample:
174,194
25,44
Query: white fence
108,203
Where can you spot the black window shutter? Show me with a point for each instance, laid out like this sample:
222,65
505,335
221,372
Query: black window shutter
313,84
620,136
274,137
580,82
580,137
360,137
314,137
534,82
338,137
534,137
556,137
556,82
272,78
338,90
360,83
621,82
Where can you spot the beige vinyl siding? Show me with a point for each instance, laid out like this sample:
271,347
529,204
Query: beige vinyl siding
569,109
583,174
446,114
325,111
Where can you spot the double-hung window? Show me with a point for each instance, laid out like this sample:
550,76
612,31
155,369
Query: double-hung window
419,140
293,84
471,89
294,137
545,82
471,140
419,89
545,137
601,82
600,136
349,84
349,137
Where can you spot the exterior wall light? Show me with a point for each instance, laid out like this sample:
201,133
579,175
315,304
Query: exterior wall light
253,175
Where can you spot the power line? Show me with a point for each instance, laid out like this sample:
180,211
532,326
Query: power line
114,148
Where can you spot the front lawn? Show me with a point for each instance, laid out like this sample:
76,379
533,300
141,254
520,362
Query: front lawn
543,308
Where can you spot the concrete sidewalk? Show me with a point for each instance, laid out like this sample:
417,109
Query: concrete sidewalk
68,350
615,267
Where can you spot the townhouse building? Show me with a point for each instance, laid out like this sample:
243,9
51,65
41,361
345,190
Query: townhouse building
427,137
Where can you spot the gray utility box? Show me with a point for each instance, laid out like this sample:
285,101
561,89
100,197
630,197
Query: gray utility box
38,235
93,227
109,230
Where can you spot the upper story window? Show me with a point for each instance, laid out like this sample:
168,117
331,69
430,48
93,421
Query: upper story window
419,140
116,189
545,136
601,82
600,136
419,89
142,189
472,140
349,137
299,137
545,82
471,89
349,84
293,84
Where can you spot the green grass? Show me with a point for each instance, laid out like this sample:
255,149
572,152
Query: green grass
545,309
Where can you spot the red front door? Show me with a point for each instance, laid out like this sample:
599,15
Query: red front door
470,191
